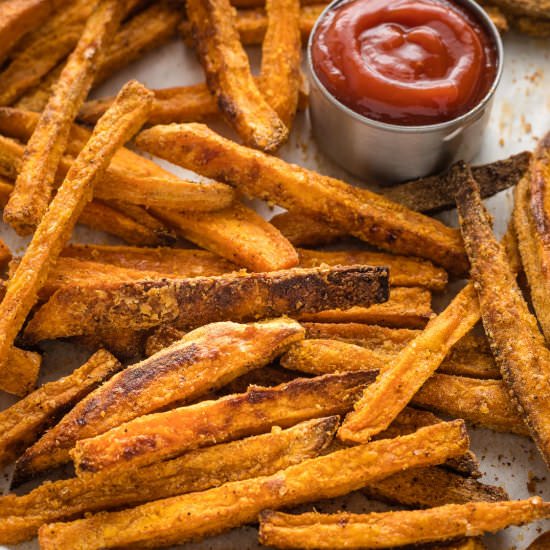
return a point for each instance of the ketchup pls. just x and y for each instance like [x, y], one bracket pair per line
[405, 62]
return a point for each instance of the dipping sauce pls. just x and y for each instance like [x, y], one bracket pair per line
[405, 62]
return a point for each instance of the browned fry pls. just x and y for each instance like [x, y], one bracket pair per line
[35, 182]
[541, 543]
[22, 423]
[498, 17]
[233, 504]
[204, 359]
[193, 302]
[161, 338]
[228, 75]
[237, 233]
[20, 373]
[5, 255]
[406, 308]
[529, 8]
[361, 213]
[388, 529]
[403, 377]
[539, 28]
[53, 232]
[37, 97]
[517, 344]
[301, 230]
[21, 516]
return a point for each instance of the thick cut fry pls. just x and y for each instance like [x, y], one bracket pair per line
[516, 341]
[193, 302]
[301, 230]
[22, 423]
[541, 543]
[20, 373]
[204, 359]
[362, 213]
[236, 233]
[388, 529]
[35, 183]
[228, 75]
[405, 308]
[404, 376]
[118, 125]
[233, 504]
[21, 516]
[539, 28]
[530, 8]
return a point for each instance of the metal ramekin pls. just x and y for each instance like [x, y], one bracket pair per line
[388, 153]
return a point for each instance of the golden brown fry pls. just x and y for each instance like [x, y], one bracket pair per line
[37, 98]
[530, 8]
[404, 376]
[35, 182]
[541, 543]
[406, 308]
[21, 516]
[118, 124]
[20, 373]
[498, 17]
[236, 233]
[22, 423]
[517, 344]
[193, 302]
[5, 255]
[539, 28]
[233, 504]
[301, 230]
[388, 529]
[228, 75]
[204, 359]
[361, 213]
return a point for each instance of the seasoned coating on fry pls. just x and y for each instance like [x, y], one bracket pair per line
[236, 233]
[498, 17]
[388, 529]
[161, 338]
[193, 302]
[518, 346]
[301, 230]
[539, 28]
[21, 516]
[20, 372]
[22, 423]
[34, 185]
[204, 359]
[233, 504]
[362, 213]
[228, 75]
[530, 8]
[5, 255]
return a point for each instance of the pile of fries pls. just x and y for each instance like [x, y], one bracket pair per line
[238, 369]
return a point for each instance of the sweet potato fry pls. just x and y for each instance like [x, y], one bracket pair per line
[193, 302]
[21, 516]
[233, 504]
[228, 75]
[361, 213]
[236, 233]
[541, 543]
[35, 182]
[538, 28]
[20, 373]
[118, 124]
[22, 423]
[406, 308]
[404, 376]
[388, 529]
[516, 341]
[204, 359]
[5, 255]
[529, 8]
[301, 230]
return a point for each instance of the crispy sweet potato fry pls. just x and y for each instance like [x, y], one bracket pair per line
[21, 516]
[362, 213]
[236, 233]
[388, 529]
[118, 124]
[301, 230]
[539, 28]
[516, 341]
[189, 303]
[530, 8]
[541, 543]
[5, 255]
[22, 423]
[233, 504]
[20, 373]
[228, 75]
[404, 376]
[35, 182]
[204, 359]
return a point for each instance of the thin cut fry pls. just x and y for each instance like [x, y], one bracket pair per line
[20, 373]
[118, 124]
[228, 75]
[397, 384]
[362, 213]
[388, 529]
[516, 341]
[193, 302]
[217, 510]
[21, 516]
[35, 183]
[236, 233]
[205, 359]
[22, 423]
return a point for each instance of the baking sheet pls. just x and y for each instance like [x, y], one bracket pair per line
[520, 116]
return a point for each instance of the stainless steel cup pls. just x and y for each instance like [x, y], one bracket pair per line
[387, 153]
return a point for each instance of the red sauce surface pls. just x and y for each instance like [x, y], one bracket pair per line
[406, 62]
